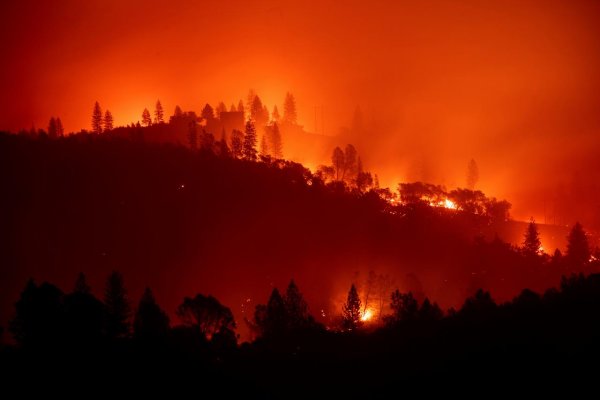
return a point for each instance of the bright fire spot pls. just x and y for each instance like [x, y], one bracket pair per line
[449, 204]
[367, 315]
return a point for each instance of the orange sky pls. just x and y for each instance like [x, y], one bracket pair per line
[513, 84]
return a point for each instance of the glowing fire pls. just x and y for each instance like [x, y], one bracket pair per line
[367, 315]
[450, 204]
[446, 203]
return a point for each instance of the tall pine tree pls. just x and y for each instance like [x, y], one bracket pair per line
[118, 310]
[289, 109]
[249, 146]
[531, 242]
[97, 119]
[159, 114]
[351, 310]
[146, 119]
[578, 247]
[108, 121]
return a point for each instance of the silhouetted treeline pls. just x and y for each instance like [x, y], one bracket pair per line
[525, 341]
[96, 203]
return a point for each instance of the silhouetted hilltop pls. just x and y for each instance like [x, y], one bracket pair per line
[183, 221]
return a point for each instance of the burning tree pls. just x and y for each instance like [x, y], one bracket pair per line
[351, 311]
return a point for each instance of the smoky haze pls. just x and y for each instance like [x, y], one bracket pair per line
[511, 84]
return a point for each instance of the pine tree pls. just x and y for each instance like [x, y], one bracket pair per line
[240, 107]
[146, 120]
[276, 145]
[159, 113]
[404, 306]
[178, 113]
[52, 133]
[232, 108]
[277, 319]
[118, 310]
[578, 247]
[60, 130]
[351, 310]
[108, 121]
[207, 112]
[257, 112]
[249, 147]
[221, 108]
[350, 156]
[297, 309]
[338, 161]
[150, 321]
[289, 109]
[531, 242]
[275, 114]
[81, 285]
[97, 119]
[237, 143]
[264, 147]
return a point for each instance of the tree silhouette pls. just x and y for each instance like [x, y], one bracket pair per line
[479, 304]
[272, 319]
[52, 131]
[531, 242]
[146, 120]
[578, 248]
[84, 314]
[249, 145]
[264, 147]
[108, 121]
[276, 144]
[232, 108]
[257, 112]
[351, 310]
[240, 107]
[221, 108]
[429, 311]
[404, 306]
[159, 114]
[39, 316]
[249, 100]
[206, 314]
[97, 119]
[296, 307]
[60, 130]
[350, 156]
[118, 310]
[208, 113]
[275, 114]
[178, 113]
[150, 322]
[290, 115]
[237, 143]
[338, 161]
[364, 180]
[81, 285]
[472, 174]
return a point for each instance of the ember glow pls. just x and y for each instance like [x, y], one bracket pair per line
[367, 315]
[449, 204]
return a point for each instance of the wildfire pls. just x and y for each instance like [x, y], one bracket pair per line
[449, 204]
[367, 315]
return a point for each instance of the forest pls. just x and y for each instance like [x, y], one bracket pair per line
[385, 285]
